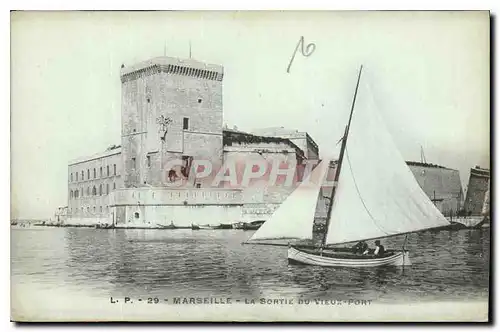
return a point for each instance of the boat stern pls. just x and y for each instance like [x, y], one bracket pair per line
[404, 259]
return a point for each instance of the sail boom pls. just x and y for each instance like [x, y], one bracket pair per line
[385, 236]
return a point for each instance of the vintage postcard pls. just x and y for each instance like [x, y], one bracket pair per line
[250, 166]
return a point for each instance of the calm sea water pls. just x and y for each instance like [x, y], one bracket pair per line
[447, 265]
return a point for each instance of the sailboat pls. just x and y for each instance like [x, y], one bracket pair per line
[375, 195]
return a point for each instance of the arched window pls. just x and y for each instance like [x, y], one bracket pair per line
[100, 190]
[100, 172]
[71, 194]
[94, 174]
[82, 176]
[71, 176]
[107, 188]
[100, 209]
[107, 170]
[88, 174]
[114, 186]
[94, 191]
[114, 169]
[76, 174]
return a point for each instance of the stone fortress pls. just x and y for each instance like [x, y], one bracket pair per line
[172, 126]
[172, 111]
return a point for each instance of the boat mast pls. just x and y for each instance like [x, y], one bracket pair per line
[339, 163]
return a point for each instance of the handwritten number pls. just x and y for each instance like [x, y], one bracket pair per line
[310, 48]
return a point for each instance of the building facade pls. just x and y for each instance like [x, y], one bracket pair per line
[90, 182]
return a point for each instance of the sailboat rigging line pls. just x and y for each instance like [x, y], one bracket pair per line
[341, 158]
[361, 198]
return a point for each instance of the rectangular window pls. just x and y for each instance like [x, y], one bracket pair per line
[185, 124]
[114, 169]
[148, 158]
[133, 162]
[100, 172]
[71, 176]
[107, 170]
[198, 185]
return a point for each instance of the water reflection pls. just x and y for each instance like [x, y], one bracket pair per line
[446, 265]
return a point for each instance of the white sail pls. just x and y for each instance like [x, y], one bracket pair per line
[377, 194]
[294, 217]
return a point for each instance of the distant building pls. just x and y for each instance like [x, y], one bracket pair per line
[477, 191]
[441, 184]
[301, 139]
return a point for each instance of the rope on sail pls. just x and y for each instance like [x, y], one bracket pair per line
[376, 223]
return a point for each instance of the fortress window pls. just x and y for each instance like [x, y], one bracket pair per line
[199, 100]
[107, 170]
[148, 158]
[107, 188]
[100, 172]
[82, 176]
[133, 162]
[114, 186]
[94, 173]
[88, 174]
[76, 174]
[185, 124]
[114, 169]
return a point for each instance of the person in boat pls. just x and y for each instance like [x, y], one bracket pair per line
[360, 247]
[378, 251]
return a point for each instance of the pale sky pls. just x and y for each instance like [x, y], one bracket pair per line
[429, 72]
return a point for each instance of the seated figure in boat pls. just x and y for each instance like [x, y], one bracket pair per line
[378, 251]
[360, 247]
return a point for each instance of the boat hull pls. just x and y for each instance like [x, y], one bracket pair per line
[295, 255]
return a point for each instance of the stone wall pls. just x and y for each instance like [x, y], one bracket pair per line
[442, 185]
[476, 191]
[153, 207]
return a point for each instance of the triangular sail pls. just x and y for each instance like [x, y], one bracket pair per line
[377, 194]
[295, 216]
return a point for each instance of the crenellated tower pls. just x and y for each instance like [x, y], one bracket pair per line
[171, 110]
